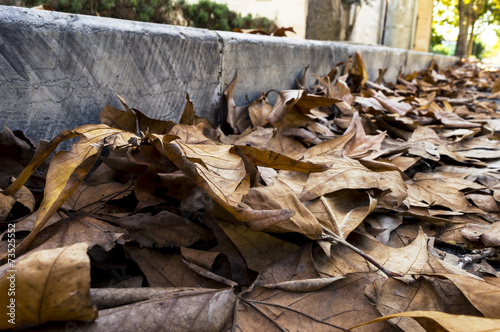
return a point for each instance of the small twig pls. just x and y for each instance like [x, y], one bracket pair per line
[336, 239]
[333, 238]
[332, 217]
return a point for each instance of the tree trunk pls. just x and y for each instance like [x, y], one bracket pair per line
[470, 40]
[463, 27]
[323, 20]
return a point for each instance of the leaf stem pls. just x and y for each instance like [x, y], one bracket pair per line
[334, 238]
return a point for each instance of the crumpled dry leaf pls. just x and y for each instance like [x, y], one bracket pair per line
[67, 169]
[487, 234]
[442, 190]
[350, 174]
[281, 196]
[50, 285]
[349, 208]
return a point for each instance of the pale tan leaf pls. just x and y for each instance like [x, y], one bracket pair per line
[50, 285]
[281, 196]
[350, 174]
[266, 158]
[438, 321]
[349, 208]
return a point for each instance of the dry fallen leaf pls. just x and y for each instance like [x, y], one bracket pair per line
[50, 285]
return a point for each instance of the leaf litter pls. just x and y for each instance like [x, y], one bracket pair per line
[346, 203]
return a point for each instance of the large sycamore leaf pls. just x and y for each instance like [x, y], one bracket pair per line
[281, 196]
[439, 321]
[349, 209]
[350, 174]
[266, 158]
[406, 261]
[334, 307]
[442, 189]
[227, 192]
[50, 285]
[172, 309]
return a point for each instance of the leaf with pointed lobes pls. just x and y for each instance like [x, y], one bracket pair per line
[439, 321]
[280, 196]
[188, 117]
[42, 153]
[349, 208]
[299, 100]
[281, 32]
[333, 307]
[226, 182]
[78, 228]
[259, 110]
[361, 144]
[442, 189]
[351, 174]
[50, 285]
[392, 105]
[267, 158]
[116, 118]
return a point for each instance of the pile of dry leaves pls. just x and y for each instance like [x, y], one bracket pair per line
[342, 203]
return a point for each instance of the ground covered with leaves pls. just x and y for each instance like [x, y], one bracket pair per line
[348, 202]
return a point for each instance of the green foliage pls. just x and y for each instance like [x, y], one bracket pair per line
[141, 10]
[211, 15]
[440, 49]
[204, 14]
[478, 49]
[436, 39]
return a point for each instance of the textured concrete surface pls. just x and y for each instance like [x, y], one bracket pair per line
[59, 70]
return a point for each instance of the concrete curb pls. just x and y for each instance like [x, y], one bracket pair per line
[59, 70]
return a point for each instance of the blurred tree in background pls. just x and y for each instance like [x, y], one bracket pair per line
[205, 14]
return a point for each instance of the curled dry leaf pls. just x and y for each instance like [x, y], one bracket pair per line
[439, 321]
[179, 309]
[350, 174]
[348, 208]
[50, 285]
[281, 196]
